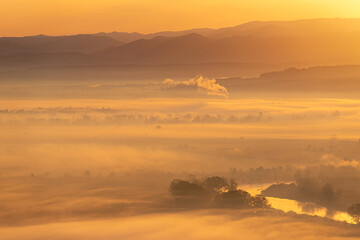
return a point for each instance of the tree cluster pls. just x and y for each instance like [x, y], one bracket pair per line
[354, 212]
[214, 192]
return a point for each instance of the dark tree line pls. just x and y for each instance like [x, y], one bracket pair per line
[214, 192]
[307, 190]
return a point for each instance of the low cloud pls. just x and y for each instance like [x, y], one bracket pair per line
[330, 159]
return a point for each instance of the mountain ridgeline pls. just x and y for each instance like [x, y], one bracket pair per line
[318, 41]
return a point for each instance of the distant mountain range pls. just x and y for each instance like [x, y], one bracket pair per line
[51, 44]
[317, 41]
[314, 79]
[257, 28]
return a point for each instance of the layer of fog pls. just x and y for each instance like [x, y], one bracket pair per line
[43, 198]
[182, 134]
[191, 225]
[65, 160]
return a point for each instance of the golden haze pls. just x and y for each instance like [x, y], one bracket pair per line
[57, 17]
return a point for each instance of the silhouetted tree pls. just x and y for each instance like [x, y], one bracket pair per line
[214, 192]
[328, 195]
[234, 199]
[354, 212]
[180, 187]
[188, 194]
[259, 202]
[241, 199]
[216, 183]
[219, 184]
[232, 185]
[306, 190]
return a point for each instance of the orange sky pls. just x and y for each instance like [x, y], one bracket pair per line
[55, 17]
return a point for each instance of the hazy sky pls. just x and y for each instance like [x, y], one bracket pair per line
[31, 17]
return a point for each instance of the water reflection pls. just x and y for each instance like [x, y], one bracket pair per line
[307, 208]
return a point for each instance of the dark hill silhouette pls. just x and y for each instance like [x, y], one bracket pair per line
[123, 36]
[290, 28]
[74, 43]
[257, 28]
[194, 48]
[327, 72]
[290, 49]
[21, 60]
[301, 43]
[79, 43]
[9, 47]
[129, 37]
[313, 79]
[29, 41]
[161, 50]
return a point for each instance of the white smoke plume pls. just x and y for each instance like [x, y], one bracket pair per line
[204, 85]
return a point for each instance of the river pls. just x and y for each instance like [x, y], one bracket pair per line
[288, 205]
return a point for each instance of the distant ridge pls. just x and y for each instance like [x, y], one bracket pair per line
[290, 28]
[129, 37]
[345, 78]
[161, 50]
[10, 47]
[343, 71]
[306, 42]
[72, 43]
[252, 28]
